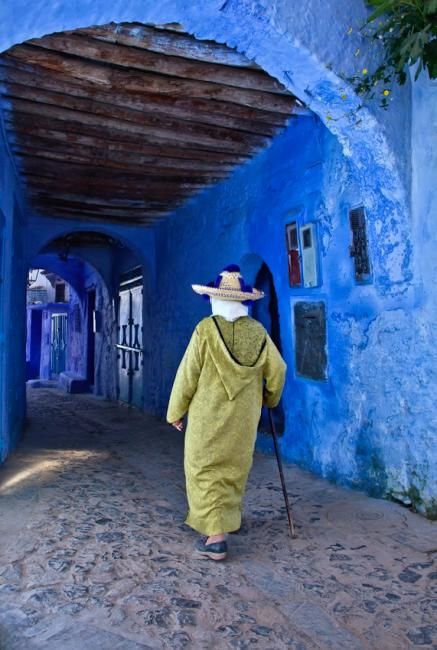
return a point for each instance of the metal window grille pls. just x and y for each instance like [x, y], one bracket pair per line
[359, 248]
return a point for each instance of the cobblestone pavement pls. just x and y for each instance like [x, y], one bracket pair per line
[94, 554]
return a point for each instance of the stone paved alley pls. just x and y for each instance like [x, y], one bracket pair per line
[95, 554]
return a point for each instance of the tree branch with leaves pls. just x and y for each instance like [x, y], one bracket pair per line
[407, 29]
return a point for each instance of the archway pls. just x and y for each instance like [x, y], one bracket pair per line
[266, 311]
[287, 51]
[100, 269]
[274, 37]
[53, 309]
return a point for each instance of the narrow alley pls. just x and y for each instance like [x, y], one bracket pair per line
[96, 555]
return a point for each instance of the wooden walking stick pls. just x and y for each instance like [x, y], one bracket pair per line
[281, 474]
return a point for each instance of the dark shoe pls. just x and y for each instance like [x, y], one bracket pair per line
[216, 551]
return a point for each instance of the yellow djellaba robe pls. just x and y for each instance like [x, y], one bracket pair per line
[227, 371]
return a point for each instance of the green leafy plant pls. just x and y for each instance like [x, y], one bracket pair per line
[408, 31]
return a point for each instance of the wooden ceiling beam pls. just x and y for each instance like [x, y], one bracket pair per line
[105, 162]
[98, 205]
[109, 191]
[106, 125]
[154, 106]
[31, 144]
[82, 215]
[89, 209]
[133, 58]
[150, 108]
[74, 134]
[183, 107]
[166, 202]
[169, 43]
[103, 210]
[160, 124]
[75, 199]
[90, 172]
[123, 216]
[100, 188]
[150, 134]
[112, 77]
[116, 214]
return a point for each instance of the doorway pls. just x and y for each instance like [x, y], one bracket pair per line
[58, 344]
[33, 356]
[130, 338]
[91, 337]
[266, 312]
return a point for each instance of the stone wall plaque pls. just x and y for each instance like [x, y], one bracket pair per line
[310, 339]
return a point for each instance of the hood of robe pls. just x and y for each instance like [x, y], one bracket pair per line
[233, 375]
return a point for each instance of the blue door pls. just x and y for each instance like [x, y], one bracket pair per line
[58, 342]
[130, 343]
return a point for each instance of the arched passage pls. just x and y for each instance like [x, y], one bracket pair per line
[101, 270]
[53, 309]
[67, 322]
[266, 311]
[284, 45]
[370, 175]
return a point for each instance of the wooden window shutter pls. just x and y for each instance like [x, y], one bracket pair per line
[292, 238]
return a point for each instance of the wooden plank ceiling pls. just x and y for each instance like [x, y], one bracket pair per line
[124, 122]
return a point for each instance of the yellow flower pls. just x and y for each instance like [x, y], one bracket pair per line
[350, 30]
[386, 92]
[364, 71]
[343, 97]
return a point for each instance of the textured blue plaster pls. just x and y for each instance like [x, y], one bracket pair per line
[13, 272]
[371, 424]
[357, 427]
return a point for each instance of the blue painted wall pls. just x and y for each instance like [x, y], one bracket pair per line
[361, 427]
[13, 271]
[372, 423]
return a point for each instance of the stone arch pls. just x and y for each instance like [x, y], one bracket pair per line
[41, 261]
[58, 230]
[110, 299]
[295, 52]
[257, 272]
[37, 332]
[104, 377]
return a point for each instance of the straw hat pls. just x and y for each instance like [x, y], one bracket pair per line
[229, 285]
